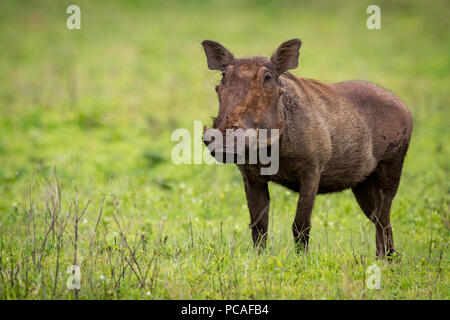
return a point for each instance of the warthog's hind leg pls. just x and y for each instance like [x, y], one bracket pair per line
[374, 196]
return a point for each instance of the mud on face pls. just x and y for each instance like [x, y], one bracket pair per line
[249, 94]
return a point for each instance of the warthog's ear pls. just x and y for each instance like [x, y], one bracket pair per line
[286, 56]
[218, 57]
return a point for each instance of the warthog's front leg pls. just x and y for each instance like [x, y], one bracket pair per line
[309, 184]
[258, 204]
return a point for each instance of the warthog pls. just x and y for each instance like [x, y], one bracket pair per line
[351, 134]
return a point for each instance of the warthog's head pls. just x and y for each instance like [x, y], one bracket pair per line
[249, 95]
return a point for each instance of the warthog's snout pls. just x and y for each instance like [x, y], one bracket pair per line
[230, 145]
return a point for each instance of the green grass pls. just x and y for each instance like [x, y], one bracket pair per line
[99, 105]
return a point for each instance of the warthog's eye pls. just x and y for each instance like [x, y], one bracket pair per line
[223, 78]
[267, 77]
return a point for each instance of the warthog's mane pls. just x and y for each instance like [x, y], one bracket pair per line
[312, 88]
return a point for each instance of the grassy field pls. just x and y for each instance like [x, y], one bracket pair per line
[86, 177]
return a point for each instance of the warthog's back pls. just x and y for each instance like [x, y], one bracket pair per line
[346, 127]
[382, 133]
[387, 117]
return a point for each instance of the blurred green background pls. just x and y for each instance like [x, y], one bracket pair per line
[99, 105]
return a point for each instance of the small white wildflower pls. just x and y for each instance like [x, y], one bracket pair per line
[149, 293]
[85, 220]
[102, 278]
[182, 185]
